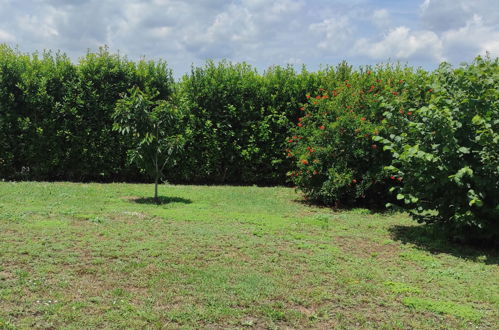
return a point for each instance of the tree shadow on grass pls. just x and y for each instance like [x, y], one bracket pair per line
[162, 200]
[430, 238]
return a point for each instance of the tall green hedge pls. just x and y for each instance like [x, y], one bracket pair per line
[55, 116]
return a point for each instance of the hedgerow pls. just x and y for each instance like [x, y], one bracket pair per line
[343, 136]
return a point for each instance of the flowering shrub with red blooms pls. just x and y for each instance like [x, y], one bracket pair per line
[336, 160]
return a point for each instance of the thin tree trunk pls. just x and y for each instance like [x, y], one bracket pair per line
[156, 178]
[156, 199]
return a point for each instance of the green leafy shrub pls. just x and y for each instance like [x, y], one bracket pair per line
[238, 122]
[55, 116]
[337, 161]
[448, 152]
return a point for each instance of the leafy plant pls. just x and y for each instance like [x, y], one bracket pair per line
[155, 130]
[448, 152]
[336, 160]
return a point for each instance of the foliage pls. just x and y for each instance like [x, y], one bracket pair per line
[448, 151]
[55, 116]
[239, 120]
[336, 159]
[155, 130]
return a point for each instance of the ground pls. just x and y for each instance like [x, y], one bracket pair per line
[105, 256]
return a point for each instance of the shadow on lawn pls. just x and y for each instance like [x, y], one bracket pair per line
[161, 200]
[429, 238]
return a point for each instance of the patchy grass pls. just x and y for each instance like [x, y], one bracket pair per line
[104, 256]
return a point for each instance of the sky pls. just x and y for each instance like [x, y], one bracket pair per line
[259, 32]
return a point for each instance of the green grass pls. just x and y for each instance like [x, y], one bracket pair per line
[103, 256]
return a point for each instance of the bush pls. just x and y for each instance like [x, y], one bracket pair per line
[337, 161]
[239, 121]
[55, 118]
[448, 152]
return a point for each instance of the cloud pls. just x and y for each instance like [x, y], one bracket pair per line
[6, 37]
[445, 15]
[260, 32]
[401, 44]
[475, 37]
[381, 18]
[334, 33]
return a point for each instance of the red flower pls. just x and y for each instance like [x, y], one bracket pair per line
[395, 93]
[318, 97]
[401, 111]
[400, 179]
[430, 90]
[363, 118]
[302, 108]
[392, 177]
[300, 119]
[321, 89]
[354, 181]
[300, 124]
[290, 140]
[322, 127]
[409, 113]
[308, 96]
[290, 154]
[325, 96]
[295, 137]
[304, 162]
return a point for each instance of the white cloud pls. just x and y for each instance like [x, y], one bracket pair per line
[381, 18]
[6, 36]
[261, 32]
[333, 33]
[402, 43]
[475, 37]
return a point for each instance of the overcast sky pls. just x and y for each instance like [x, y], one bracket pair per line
[260, 32]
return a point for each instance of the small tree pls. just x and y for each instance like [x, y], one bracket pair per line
[155, 129]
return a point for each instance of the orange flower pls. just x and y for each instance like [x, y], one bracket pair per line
[363, 118]
[304, 162]
[302, 108]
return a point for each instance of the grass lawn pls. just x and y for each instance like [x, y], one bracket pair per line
[103, 256]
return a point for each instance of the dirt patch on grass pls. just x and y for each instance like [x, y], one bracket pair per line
[365, 248]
